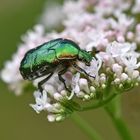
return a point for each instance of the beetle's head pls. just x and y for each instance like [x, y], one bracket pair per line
[85, 57]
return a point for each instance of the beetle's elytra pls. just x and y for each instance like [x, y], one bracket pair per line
[45, 59]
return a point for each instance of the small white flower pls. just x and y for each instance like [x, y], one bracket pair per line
[71, 8]
[135, 74]
[120, 39]
[92, 89]
[124, 77]
[50, 89]
[131, 61]
[95, 66]
[102, 78]
[130, 36]
[117, 69]
[51, 117]
[83, 83]
[117, 49]
[80, 94]
[52, 16]
[97, 39]
[117, 81]
[124, 22]
[31, 36]
[55, 108]
[107, 59]
[41, 100]
[75, 83]
[58, 96]
[55, 117]
[107, 7]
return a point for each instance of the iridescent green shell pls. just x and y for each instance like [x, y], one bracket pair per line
[46, 57]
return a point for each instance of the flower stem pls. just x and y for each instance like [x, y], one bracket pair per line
[91, 133]
[113, 110]
[98, 104]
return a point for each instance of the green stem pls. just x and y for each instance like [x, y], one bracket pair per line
[114, 111]
[91, 133]
[98, 104]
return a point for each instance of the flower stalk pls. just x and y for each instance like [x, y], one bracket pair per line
[84, 126]
[113, 109]
[98, 104]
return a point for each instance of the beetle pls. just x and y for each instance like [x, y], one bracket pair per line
[46, 58]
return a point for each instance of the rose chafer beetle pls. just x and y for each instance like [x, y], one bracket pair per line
[53, 55]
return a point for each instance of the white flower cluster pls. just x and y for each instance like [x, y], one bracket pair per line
[136, 6]
[102, 25]
[10, 74]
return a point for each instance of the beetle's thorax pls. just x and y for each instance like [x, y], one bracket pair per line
[85, 56]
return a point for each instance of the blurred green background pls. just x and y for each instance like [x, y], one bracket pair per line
[17, 120]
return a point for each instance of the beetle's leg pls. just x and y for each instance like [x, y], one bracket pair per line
[81, 70]
[43, 81]
[60, 73]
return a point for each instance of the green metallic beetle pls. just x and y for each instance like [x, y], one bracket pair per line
[47, 58]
